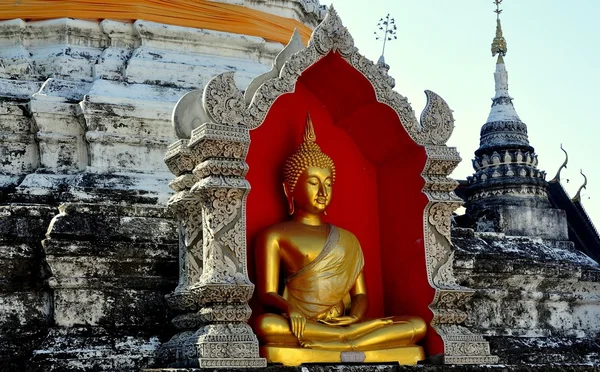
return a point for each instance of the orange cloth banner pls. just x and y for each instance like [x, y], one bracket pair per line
[188, 13]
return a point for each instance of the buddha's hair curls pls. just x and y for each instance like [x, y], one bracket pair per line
[308, 154]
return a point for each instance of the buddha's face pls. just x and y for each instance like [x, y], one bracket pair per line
[313, 190]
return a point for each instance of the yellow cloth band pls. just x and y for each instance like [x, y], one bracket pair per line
[188, 13]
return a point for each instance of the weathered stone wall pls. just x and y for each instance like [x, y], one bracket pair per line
[25, 301]
[85, 120]
[536, 300]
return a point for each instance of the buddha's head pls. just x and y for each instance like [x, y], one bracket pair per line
[308, 175]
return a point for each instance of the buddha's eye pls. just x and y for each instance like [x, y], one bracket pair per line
[313, 181]
[328, 183]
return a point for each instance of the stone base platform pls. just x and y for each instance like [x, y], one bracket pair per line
[409, 355]
[398, 368]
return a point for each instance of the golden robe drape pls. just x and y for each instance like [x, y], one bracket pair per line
[325, 282]
[188, 13]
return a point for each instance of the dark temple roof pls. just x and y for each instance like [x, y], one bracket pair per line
[582, 231]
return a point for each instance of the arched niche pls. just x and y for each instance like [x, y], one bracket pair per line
[392, 188]
[378, 190]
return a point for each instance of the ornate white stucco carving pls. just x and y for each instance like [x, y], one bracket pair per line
[230, 119]
[214, 288]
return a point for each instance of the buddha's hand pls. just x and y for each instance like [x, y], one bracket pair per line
[340, 320]
[297, 322]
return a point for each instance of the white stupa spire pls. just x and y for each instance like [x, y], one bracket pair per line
[502, 107]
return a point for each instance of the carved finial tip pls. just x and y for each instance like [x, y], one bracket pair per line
[309, 130]
[499, 43]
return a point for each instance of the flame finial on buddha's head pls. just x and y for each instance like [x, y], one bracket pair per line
[308, 154]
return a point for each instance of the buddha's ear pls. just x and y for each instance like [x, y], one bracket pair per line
[289, 197]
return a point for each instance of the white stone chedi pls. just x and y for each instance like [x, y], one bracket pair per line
[85, 119]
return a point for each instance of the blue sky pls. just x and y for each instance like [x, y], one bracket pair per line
[552, 64]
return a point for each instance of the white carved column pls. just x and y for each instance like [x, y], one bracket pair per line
[450, 302]
[186, 207]
[214, 289]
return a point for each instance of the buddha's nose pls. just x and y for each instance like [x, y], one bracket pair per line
[322, 190]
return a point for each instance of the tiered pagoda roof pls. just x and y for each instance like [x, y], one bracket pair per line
[505, 163]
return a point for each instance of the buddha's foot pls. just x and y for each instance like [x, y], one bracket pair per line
[356, 330]
[327, 345]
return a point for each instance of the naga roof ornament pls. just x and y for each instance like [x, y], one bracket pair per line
[563, 166]
[577, 197]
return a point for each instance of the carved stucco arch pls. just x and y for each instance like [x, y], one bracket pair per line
[216, 151]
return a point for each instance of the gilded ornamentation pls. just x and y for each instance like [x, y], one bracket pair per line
[312, 255]
[308, 154]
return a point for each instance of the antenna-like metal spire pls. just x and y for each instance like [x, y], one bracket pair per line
[499, 43]
[386, 30]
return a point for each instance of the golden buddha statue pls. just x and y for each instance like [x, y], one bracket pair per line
[324, 300]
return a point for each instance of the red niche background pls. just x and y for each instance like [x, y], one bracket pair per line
[377, 192]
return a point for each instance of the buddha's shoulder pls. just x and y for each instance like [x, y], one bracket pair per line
[346, 234]
[277, 230]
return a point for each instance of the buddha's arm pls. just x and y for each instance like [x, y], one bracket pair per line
[267, 265]
[268, 261]
[359, 300]
[359, 305]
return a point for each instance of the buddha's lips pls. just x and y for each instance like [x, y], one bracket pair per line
[321, 200]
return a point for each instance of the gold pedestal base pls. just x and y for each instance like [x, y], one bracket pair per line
[291, 356]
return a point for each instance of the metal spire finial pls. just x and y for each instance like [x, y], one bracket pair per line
[386, 30]
[499, 43]
[577, 197]
[498, 10]
[563, 166]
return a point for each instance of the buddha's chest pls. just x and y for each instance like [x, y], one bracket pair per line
[299, 251]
